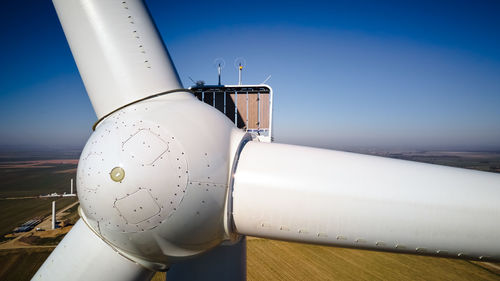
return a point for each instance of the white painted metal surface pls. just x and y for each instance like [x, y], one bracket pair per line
[118, 51]
[153, 178]
[82, 255]
[168, 203]
[53, 214]
[352, 200]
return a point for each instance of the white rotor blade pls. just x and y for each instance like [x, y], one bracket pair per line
[119, 53]
[82, 255]
[345, 199]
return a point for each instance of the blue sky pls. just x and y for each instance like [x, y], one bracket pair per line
[346, 74]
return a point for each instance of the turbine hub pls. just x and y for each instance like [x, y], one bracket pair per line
[152, 179]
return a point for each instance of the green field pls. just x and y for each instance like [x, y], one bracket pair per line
[15, 212]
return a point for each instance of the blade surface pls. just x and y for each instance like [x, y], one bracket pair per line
[82, 255]
[344, 199]
[118, 50]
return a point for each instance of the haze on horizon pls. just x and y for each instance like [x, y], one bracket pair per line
[346, 74]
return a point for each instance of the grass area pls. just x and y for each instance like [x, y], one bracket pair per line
[276, 260]
[16, 212]
[21, 264]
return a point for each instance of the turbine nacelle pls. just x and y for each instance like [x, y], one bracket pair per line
[158, 178]
[153, 179]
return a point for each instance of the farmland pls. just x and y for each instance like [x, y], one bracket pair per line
[24, 176]
[21, 257]
[33, 181]
[266, 259]
[21, 264]
[15, 212]
[277, 260]
[34, 172]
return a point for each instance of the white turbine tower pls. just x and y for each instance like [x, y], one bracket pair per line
[53, 214]
[165, 179]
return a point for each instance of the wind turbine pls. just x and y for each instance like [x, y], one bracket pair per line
[166, 181]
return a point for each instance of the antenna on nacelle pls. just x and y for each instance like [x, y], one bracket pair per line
[240, 63]
[199, 83]
[219, 63]
[268, 77]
